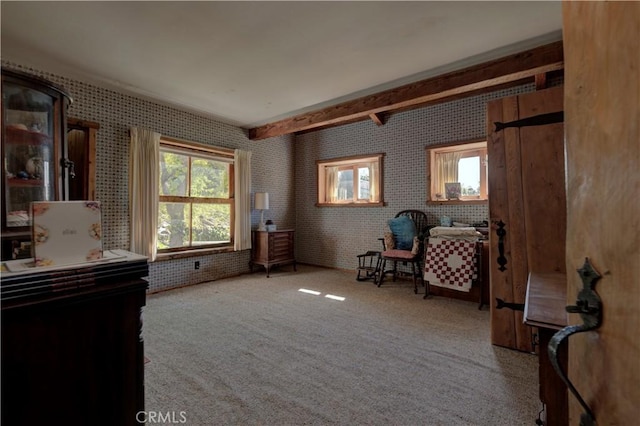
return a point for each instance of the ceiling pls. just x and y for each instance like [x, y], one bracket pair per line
[251, 63]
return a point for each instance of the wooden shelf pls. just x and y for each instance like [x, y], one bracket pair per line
[546, 300]
[26, 137]
[24, 182]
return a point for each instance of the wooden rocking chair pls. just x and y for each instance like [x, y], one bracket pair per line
[401, 251]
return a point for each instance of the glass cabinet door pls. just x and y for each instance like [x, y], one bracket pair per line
[33, 128]
[28, 151]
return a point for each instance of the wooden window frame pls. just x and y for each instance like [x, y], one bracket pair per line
[195, 150]
[472, 148]
[345, 163]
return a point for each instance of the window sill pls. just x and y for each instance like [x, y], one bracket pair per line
[380, 204]
[457, 202]
[192, 253]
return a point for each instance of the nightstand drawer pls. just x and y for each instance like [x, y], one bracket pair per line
[271, 248]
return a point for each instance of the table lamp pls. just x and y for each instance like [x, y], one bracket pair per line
[262, 203]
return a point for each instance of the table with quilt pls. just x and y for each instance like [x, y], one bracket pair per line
[450, 263]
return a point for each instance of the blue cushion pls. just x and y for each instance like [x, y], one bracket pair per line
[403, 230]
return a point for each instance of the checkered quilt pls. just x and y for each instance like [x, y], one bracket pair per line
[450, 263]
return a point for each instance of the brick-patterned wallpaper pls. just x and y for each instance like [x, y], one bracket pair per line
[272, 170]
[334, 236]
[286, 169]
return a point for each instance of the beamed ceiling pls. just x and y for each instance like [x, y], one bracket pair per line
[281, 67]
[529, 66]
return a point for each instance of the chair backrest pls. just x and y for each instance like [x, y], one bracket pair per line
[420, 219]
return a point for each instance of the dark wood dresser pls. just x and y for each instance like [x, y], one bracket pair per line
[72, 351]
[269, 248]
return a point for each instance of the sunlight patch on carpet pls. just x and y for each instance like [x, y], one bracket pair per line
[317, 293]
[331, 296]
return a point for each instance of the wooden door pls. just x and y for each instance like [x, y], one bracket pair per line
[81, 149]
[527, 202]
[602, 100]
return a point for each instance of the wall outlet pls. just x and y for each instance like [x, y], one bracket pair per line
[197, 264]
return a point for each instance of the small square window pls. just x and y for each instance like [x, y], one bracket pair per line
[352, 181]
[457, 172]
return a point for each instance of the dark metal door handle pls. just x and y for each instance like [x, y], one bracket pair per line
[501, 232]
[589, 306]
[69, 165]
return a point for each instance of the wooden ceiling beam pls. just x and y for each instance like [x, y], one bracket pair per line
[541, 81]
[376, 118]
[471, 80]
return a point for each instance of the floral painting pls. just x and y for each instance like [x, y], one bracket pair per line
[452, 190]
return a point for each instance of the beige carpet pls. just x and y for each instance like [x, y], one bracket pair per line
[253, 350]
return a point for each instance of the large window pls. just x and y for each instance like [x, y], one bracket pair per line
[350, 181]
[196, 197]
[457, 172]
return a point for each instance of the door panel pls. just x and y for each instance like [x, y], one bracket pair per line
[602, 75]
[503, 332]
[543, 183]
[516, 232]
[526, 191]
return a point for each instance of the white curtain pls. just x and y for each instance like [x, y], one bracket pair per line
[144, 183]
[446, 169]
[331, 186]
[374, 177]
[242, 186]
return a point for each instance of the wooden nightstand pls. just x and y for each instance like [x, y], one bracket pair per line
[272, 248]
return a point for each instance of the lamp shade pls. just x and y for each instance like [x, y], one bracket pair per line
[262, 201]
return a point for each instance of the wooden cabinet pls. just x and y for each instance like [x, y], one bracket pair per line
[34, 151]
[46, 155]
[545, 309]
[72, 350]
[272, 248]
[527, 203]
[33, 146]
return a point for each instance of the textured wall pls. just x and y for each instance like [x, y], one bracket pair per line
[325, 236]
[334, 236]
[272, 170]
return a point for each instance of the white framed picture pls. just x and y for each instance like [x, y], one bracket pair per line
[452, 190]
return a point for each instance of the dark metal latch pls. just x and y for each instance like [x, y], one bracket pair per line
[589, 306]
